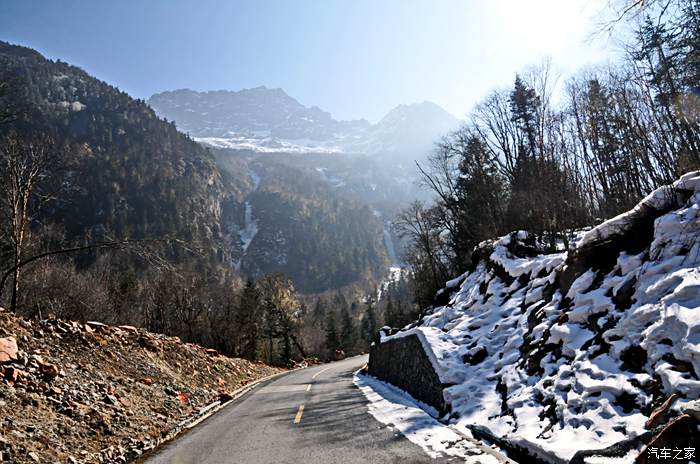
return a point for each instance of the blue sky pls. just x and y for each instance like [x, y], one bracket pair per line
[354, 58]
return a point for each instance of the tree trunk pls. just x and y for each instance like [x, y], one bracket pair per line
[15, 290]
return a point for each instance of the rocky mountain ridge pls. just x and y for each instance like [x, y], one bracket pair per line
[269, 120]
[257, 111]
[135, 174]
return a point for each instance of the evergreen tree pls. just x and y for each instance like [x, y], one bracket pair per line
[402, 317]
[524, 104]
[347, 331]
[247, 320]
[480, 197]
[369, 323]
[332, 339]
[280, 317]
[319, 311]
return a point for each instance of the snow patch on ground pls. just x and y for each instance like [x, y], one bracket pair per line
[396, 408]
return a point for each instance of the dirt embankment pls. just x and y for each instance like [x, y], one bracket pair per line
[72, 392]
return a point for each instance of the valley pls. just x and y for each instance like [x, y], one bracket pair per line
[371, 165]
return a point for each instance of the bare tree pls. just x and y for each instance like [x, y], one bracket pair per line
[429, 256]
[32, 178]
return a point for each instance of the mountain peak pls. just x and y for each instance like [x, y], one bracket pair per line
[420, 110]
[268, 117]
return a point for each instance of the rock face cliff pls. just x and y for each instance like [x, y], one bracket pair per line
[588, 351]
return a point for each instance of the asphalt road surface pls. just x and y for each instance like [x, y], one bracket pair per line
[310, 416]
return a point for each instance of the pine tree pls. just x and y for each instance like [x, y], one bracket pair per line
[402, 317]
[391, 317]
[524, 104]
[319, 311]
[347, 332]
[369, 323]
[332, 339]
[480, 194]
[248, 321]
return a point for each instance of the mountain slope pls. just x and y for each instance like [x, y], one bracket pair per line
[92, 393]
[407, 129]
[567, 354]
[292, 222]
[137, 175]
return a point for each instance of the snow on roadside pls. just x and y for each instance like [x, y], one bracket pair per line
[556, 368]
[394, 407]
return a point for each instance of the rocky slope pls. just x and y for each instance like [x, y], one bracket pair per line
[89, 393]
[580, 354]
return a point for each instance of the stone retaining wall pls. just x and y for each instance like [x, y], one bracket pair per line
[404, 363]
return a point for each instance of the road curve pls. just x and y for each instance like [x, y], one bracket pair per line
[310, 416]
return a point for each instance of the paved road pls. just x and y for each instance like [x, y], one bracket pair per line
[266, 426]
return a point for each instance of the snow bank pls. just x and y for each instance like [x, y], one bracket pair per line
[394, 407]
[662, 198]
[556, 370]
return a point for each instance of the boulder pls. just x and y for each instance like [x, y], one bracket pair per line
[8, 349]
[96, 325]
[151, 344]
[475, 355]
[53, 391]
[681, 432]
[128, 328]
[50, 371]
[692, 408]
[225, 396]
[110, 399]
[13, 375]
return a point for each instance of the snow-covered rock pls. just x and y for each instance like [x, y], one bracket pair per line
[579, 352]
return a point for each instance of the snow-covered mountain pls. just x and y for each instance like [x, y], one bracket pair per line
[269, 120]
[410, 128]
[257, 113]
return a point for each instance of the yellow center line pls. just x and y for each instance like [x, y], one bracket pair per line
[300, 412]
[319, 373]
[308, 387]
